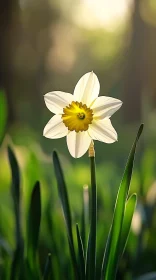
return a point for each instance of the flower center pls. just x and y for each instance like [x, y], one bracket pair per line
[77, 116]
[81, 116]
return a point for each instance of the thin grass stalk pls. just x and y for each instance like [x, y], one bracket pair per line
[85, 216]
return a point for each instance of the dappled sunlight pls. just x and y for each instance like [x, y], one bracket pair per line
[109, 15]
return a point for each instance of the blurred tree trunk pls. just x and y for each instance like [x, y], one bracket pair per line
[9, 25]
[134, 74]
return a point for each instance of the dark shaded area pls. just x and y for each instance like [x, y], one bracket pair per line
[9, 39]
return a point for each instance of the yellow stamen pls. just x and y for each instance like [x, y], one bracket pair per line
[81, 116]
[77, 116]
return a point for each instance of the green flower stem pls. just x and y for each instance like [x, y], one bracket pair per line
[93, 213]
[91, 252]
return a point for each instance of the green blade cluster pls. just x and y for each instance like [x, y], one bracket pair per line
[85, 269]
[29, 264]
[121, 220]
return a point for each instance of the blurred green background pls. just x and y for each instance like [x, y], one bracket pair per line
[48, 45]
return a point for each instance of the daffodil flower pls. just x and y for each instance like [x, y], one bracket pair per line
[81, 116]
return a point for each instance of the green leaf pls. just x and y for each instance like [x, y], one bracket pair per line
[15, 190]
[128, 215]
[33, 228]
[81, 254]
[148, 276]
[47, 270]
[112, 251]
[62, 190]
[3, 115]
[17, 263]
[91, 250]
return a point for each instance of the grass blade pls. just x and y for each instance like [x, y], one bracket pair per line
[91, 250]
[81, 254]
[62, 190]
[33, 228]
[15, 190]
[47, 271]
[85, 216]
[112, 251]
[128, 215]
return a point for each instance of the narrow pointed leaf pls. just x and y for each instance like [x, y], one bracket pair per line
[128, 215]
[62, 190]
[17, 263]
[81, 254]
[112, 251]
[15, 190]
[47, 271]
[33, 228]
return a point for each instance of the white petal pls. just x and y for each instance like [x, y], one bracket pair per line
[87, 89]
[78, 143]
[57, 100]
[105, 106]
[103, 131]
[55, 128]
